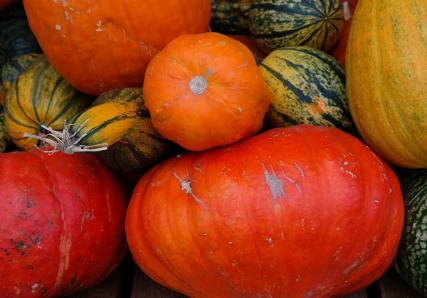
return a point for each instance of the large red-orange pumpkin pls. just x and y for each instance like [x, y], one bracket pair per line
[205, 90]
[101, 45]
[340, 48]
[294, 212]
[61, 223]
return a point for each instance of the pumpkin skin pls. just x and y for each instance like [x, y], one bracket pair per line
[125, 35]
[119, 119]
[411, 260]
[303, 211]
[230, 16]
[387, 79]
[58, 213]
[214, 96]
[251, 44]
[307, 87]
[340, 48]
[40, 96]
[283, 23]
[16, 37]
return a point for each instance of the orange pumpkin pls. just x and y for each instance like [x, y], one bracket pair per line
[106, 44]
[204, 91]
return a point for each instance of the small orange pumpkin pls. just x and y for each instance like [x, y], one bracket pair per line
[204, 91]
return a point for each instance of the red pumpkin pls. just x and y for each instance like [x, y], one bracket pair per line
[62, 223]
[205, 90]
[296, 212]
[106, 44]
[340, 49]
[4, 4]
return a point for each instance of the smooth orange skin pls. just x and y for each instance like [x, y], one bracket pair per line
[333, 226]
[231, 108]
[101, 45]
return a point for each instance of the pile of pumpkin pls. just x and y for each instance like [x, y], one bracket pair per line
[253, 180]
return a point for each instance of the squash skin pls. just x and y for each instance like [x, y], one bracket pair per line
[4, 137]
[222, 219]
[307, 87]
[230, 16]
[124, 34]
[16, 37]
[120, 119]
[232, 102]
[58, 213]
[40, 96]
[411, 260]
[284, 23]
[387, 78]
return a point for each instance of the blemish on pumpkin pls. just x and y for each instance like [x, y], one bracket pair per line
[234, 263]
[34, 287]
[298, 278]
[274, 183]
[269, 241]
[351, 174]
[17, 290]
[300, 171]
[292, 181]
[187, 189]
[204, 234]
[58, 27]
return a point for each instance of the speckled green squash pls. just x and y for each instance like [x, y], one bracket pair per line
[281, 23]
[230, 16]
[119, 119]
[4, 137]
[16, 37]
[307, 86]
[12, 69]
[411, 261]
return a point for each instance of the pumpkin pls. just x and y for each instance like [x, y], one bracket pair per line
[204, 91]
[58, 213]
[16, 37]
[4, 3]
[229, 16]
[307, 86]
[4, 137]
[108, 45]
[411, 260]
[303, 211]
[340, 48]
[40, 96]
[282, 23]
[118, 120]
[387, 79]
[251, 44]
[12, 69]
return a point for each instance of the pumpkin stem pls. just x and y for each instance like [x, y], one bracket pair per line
[64, 141]
[199, 84]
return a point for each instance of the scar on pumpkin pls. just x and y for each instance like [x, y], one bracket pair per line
[186, 188]
[274, 183]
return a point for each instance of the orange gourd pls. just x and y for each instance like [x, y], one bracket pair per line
[106, 44]
[204, 91]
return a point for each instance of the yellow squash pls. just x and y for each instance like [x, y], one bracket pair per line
[387, 78]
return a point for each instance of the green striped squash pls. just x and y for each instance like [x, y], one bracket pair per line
[4, 137]
[119, 120]
[40, 96]
[282, 23]
[230, 17]
[16, 37]
[411, 260]
[307, 86]
[12, 69]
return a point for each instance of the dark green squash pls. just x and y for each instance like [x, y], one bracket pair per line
[411, 261]
[4, 137]
[230, 16]
[12, 69]
[307, 86]
[16, 37]
[282, 23]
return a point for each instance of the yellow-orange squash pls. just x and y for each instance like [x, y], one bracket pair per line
[387, 78]
[106, 44]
